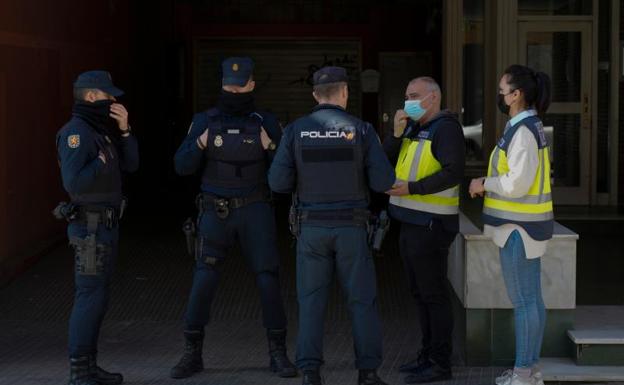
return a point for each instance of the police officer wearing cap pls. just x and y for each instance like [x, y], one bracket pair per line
[232, 144]
[330, 159]
[94, 148]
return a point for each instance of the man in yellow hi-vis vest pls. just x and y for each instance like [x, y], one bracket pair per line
[428, 148]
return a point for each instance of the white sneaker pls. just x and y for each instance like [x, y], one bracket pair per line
[539, 379]
[503, 378]
[510, 378]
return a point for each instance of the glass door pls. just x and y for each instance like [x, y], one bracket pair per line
[563, 51]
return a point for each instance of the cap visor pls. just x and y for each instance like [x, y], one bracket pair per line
[113, 91]
[235, 82]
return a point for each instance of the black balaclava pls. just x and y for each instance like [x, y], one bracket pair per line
[236, 104]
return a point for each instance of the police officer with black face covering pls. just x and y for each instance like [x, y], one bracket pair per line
[330, 159]
[94, 147]
[233, 144]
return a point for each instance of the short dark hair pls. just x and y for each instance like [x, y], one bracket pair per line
[327, 90]
[81, 93]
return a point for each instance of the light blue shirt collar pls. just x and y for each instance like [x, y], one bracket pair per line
[523, 115]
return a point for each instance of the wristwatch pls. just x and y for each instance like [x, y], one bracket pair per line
[126, 133]
[272, 146]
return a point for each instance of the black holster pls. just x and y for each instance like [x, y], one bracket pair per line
[87, 248]
[378, 229]
[190, 233]
[89, 252]
[294, 220]
[65, 210]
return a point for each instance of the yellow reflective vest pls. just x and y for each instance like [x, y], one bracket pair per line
[416, 161]
[534, 211]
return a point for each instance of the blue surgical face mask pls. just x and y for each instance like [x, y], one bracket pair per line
[413, 108]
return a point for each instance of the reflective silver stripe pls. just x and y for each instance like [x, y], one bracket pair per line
[528, 199]
[494, 163]
[395, 200]
[416, 162]
[541, 187]
[426, 207]
[521, 217]
[452, 192]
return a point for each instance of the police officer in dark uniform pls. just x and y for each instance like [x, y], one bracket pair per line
[330, 159]
[94, 148]
[232, 144]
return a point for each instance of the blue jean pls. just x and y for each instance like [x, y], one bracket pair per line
[523, 282]
[343, 251]
[253, 227]
[91, 291]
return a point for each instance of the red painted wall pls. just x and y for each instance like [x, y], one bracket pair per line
[43, 46]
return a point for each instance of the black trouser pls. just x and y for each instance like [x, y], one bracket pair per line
[424, 250]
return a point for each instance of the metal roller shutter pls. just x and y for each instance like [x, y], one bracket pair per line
[283, 72]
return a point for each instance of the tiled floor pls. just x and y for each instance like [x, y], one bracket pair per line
[142, 334]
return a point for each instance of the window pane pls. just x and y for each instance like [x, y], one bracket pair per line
[473, 66]
[563, 134]
[554, 7]
[558, 54]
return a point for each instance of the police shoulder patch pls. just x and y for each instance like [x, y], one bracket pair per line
[73, 141]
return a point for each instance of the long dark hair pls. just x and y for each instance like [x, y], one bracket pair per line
[534, 85]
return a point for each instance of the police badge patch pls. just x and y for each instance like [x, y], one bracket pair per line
[73, 141]
[218, 142]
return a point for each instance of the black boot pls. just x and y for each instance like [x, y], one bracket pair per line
[79, 371]
[369, 377]
[100, 375]
[280, 363]
[421, 363]
[312, 377]
[191, 361]
[430, 373]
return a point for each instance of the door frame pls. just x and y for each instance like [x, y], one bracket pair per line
[380, 58]
[583, 194]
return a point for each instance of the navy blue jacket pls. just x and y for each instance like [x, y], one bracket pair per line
[85, 177]
[283, 172]
[190, 158]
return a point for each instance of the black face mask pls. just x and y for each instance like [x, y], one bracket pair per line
[232, 103]
[97, 115]
[502, 106]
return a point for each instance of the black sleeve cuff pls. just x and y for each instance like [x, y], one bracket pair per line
[415, 188]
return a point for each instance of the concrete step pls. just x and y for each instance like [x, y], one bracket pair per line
[565, 369]
[598, 347]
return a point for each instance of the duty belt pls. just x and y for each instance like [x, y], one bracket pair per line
[222, 205]
[108, 216]
[358, 217]
[95, 214]
[88, 251]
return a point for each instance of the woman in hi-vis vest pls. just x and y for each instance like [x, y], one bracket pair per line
[517, 211]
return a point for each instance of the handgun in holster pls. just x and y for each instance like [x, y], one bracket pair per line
[190, 233]
[87, 246]
[65, 210]
[380, 227]
[294, 219]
